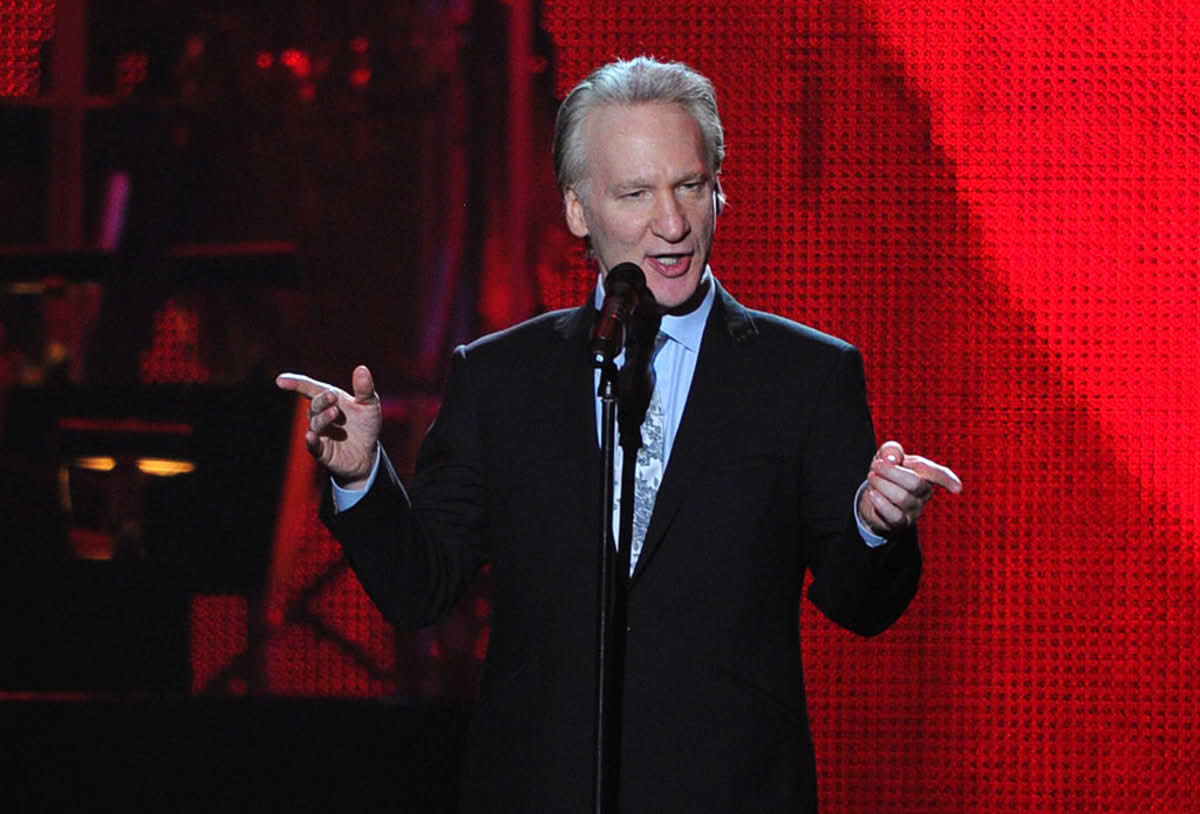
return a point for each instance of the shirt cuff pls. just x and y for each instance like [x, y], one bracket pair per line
[869, 537]
[344, 499]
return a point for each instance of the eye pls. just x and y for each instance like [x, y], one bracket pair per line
[634, 195]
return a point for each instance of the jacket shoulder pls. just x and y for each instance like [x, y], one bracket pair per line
[784, 329]
[526, 352]
[532, 332]
[775, 331]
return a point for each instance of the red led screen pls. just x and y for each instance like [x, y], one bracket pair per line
[998, 203]
[25, 25]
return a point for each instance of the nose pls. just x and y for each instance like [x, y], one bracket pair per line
[670, 221]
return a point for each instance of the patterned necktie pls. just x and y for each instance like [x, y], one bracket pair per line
[651, 462]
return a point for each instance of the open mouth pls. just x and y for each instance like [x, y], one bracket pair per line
[671, 265]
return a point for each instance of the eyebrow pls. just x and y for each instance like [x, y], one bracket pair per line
[644, 183]
[627, 186]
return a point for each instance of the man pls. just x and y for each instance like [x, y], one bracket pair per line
[770, 469]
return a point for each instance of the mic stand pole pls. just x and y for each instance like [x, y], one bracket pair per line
[611, 602]
[604, 784]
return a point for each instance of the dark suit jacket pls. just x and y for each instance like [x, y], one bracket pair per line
[774, 441]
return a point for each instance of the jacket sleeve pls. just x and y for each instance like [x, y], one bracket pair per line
[861, 588]
[415, 551]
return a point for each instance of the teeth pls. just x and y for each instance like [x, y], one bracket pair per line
[668, 261]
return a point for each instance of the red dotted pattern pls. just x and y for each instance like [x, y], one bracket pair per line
[326, 637]
[24, 26]
[174, 355]
[219, 636]
[998, 204]
[329, 639]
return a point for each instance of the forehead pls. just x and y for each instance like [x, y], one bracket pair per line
[631, 140]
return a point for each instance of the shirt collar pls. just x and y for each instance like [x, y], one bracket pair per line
[687, 329]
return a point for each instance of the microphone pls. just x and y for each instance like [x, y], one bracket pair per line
[624, 289]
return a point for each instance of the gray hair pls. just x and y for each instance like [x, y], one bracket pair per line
[630, 82]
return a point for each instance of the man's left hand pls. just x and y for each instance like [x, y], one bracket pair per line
[899, 486]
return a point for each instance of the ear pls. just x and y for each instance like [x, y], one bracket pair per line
[573, 207]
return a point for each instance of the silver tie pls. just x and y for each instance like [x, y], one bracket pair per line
[650, 464]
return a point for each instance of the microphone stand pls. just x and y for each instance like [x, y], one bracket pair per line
[635, 386]
[606, 747]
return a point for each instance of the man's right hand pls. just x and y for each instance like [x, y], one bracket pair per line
[343, 429]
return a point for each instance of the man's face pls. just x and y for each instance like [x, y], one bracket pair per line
[647, 196]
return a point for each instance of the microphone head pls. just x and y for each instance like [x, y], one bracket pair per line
[623, 276]
[624, 289]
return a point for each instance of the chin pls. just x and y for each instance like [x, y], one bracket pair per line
[675, 293]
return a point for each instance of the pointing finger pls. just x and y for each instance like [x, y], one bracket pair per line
[934, 472]
[304, 385]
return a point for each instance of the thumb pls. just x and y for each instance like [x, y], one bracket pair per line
[891, 452]
[363, 384]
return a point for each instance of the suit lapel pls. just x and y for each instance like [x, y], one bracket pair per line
[574, 327]
[711, 406]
